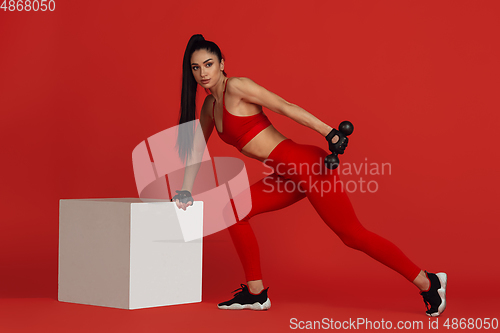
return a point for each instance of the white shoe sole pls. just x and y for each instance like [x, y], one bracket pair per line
[443, 279]
[255, 306]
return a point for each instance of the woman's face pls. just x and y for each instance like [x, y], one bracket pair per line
[206, 68]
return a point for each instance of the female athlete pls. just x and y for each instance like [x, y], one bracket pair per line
[234, 109]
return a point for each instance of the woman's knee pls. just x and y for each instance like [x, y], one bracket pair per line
[350, 241]
[354, 239]
[243, 222]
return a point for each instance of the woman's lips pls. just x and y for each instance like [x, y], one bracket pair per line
[205, 81]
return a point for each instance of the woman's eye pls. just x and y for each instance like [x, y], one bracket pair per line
[195, 67]
[209, 64]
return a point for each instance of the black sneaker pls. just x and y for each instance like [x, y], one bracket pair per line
[246, 300]
[435, 297]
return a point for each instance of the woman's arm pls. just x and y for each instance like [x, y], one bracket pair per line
[251, 92]
[201, 136]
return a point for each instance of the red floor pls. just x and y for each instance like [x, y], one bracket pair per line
[352, 298]
[311, 276]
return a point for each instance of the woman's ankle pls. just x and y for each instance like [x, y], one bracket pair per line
[422, 281]
[255, 286]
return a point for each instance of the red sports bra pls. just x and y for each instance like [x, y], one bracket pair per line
[239, 130]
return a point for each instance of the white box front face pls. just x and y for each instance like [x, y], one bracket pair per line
[94, 240]
[164, 269]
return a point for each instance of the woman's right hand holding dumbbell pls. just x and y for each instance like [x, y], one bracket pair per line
[338, 146]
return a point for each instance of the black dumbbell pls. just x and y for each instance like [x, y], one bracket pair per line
[345, 129]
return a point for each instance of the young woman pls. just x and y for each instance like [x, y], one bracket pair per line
[234, 109]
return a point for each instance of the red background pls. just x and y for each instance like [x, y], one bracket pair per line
[82, 86]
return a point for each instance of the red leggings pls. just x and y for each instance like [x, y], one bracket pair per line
[333, 206]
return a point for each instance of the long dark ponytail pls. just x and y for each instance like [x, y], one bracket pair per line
[188, 94]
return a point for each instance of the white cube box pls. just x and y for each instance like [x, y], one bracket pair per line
[129, 253]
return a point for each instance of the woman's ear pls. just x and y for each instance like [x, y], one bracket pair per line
[222, 65]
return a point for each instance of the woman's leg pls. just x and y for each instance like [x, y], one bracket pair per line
[324, 191]
[264, 199]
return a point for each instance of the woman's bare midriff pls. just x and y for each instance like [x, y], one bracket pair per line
[263, 143]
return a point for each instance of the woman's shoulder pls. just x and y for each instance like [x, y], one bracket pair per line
[238, 80]
[239, 83]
